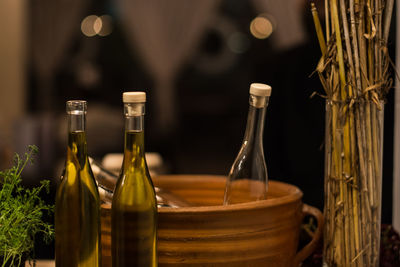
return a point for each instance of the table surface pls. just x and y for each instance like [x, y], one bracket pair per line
[42, 263]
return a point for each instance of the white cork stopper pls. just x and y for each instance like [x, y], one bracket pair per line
[134, 97]
[260, 89]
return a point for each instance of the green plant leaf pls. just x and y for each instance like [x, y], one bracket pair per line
[21, 211]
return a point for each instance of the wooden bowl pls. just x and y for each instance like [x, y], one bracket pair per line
[261, 233]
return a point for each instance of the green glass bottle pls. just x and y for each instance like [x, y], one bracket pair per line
[134, 205]
[77, 213]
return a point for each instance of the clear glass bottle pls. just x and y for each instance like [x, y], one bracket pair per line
[248, 178]
[134, 205]
[77, 212]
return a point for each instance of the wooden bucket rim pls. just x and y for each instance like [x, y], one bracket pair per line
[294, 195]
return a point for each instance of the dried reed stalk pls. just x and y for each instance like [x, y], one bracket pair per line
[354, 72]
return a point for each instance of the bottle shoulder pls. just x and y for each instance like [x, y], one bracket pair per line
[249, 153]
[134, 189]
[75, 178]
[249, 163]
[139, 179]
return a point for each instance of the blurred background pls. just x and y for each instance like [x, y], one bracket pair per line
[195, 60]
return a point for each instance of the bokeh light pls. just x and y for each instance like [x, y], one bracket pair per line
[106, 25]
[88, 25]
[238, 42]
[94, 25]
[261, 27]
[97, 25]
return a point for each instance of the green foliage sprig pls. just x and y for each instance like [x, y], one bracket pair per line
[21, 212]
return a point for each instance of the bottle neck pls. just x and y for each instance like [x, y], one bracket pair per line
[134, 117]
[134, 153]
[76, 122]
[255, 120]
[134, 124]
[77, 147]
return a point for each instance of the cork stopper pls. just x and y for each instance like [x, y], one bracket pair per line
[260, 89]
[134, 97]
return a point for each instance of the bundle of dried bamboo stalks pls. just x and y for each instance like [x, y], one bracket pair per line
[354, 72]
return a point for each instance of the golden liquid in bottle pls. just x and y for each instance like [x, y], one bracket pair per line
[77, 214]
[134, 209]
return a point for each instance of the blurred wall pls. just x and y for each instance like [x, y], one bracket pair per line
[396, 156]
[12, 66]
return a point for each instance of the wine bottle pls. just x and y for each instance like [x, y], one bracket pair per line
[134, 205]
[77, 212]
[106, 181]
[248, 178]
